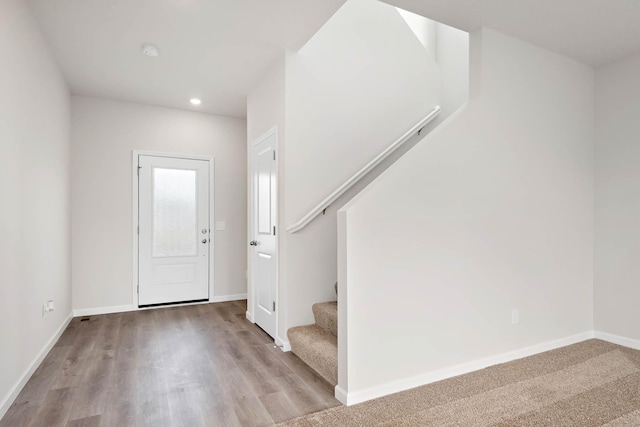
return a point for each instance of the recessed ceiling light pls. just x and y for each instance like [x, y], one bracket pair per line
[150, 50]
[195, 101]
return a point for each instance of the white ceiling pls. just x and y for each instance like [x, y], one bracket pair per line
[215, 50]
[218, 50]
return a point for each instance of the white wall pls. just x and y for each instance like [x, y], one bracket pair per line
[34, 194]
[449, 47]
[353, 89]
[424, 29]
[493, 211]
[266, 110]
[452, 55]
[104, 133]
[617, 203]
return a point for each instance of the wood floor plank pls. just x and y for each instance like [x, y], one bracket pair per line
[279, 406]
[70, 372]
[41, 381]
[151, 396]
[301, 395]
[86, 422]
[91, 400]
[69, 335]
[251, 412]
[20, 414]
[201, 365]
[120, 409]
[55, 408]
[184, 407]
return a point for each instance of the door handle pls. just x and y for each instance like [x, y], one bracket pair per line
[203, 240]
[253, 243]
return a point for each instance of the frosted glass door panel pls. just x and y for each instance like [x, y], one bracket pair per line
[264, 187]
[174, 213]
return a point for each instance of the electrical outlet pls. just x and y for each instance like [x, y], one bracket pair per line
[515, 316]
[47, 307]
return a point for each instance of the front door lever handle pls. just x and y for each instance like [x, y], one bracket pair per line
[253, 243]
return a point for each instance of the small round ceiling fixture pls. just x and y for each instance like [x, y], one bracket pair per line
[150, 50]
[195, 101]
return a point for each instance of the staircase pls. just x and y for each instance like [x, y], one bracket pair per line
[317, 344]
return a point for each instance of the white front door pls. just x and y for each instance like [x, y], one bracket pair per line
[264, 232]
[173, 237]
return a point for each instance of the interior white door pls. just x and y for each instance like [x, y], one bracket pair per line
[173, 236]
[264, 233]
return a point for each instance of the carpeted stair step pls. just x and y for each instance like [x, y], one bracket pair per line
[326, 315]
[317, 348]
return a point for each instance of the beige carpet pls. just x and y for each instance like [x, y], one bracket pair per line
[592, 383]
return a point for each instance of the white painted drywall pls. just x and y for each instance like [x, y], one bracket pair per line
[352, 90]
[423, 28]
[617, 277]
[104, 133]
[266, 110]
[449, 47]
[34, 194]
[493, 211]
[452, 55]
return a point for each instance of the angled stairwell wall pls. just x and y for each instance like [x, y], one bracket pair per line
[492, 212]
[354, 88]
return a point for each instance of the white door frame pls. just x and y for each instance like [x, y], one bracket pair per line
[134, 222]
[251, 307]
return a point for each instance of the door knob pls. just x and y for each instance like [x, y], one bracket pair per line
[204, 240]
[253, 243]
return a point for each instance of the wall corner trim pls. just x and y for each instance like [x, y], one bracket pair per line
[8, 399]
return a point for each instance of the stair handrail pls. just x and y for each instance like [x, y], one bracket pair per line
[323, 205]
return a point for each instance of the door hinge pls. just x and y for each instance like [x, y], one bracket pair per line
[138, 288]
[274, 154]
[274, 230]
[274, 306]
[139, 167]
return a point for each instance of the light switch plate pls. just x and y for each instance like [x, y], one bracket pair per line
[220, 225]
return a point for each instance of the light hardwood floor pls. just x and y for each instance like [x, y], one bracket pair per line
[201, 365]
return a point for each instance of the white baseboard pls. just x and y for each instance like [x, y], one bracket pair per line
[617, 339]
[284, 345]
[7, 400]
[340, 394]
[225, 298]
[95, 311]
[249, 316]
[103, 310]
[430, 377]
